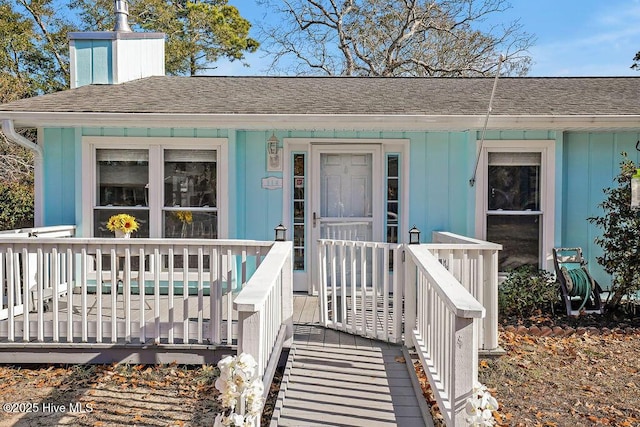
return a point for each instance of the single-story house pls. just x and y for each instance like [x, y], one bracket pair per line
[363, 158]
[209, 166]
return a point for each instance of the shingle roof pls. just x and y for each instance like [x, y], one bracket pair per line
[583, 96]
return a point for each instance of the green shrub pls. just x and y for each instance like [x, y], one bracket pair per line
[527, 292]
[620, 239]
[16, 205]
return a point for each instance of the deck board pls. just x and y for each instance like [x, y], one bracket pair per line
[340, 379]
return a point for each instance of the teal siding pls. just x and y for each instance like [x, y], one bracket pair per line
[259, 208]
[440, 194]
[59, 177]
[94, 60]
[591, 163]
[441, 164]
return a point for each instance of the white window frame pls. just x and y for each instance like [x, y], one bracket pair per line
[546, 148]
[156, 147]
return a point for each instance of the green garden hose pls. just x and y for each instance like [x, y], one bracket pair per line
[581, 285]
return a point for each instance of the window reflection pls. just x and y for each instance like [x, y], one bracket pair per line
[190, 182]
[514, 188]
[123, 177]
[513, 199]
[299, 204]
[122, 180]
[189, 178]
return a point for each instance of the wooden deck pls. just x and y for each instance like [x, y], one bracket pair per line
[338, 379]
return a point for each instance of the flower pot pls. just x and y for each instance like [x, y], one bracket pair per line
[122, 234]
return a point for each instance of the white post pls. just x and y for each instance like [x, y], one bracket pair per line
[287, 296]
[466, 367]
[490, 288]
[410, 296]
[250, 336]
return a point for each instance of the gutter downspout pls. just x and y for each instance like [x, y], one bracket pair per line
[38, 170]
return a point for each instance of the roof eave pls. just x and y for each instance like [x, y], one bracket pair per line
[374, 122]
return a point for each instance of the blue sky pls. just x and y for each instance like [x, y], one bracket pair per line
[574, 37]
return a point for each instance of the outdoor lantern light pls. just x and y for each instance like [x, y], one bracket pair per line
[635, 190]
[281, 233]
[274, 162]
[414, 236]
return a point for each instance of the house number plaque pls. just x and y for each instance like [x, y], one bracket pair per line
[271, 183]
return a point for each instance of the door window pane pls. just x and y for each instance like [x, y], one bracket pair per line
[345, 185]
[347, 230]
[393, 181]
[299, 204]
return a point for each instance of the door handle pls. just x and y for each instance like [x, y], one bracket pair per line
[316, 218]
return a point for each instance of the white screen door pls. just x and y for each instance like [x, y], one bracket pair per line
[347, 186]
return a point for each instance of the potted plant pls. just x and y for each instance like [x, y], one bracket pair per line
[122, 225]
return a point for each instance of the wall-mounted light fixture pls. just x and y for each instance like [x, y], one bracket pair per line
[274, 154]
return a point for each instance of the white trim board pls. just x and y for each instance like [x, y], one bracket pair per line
[399, 122]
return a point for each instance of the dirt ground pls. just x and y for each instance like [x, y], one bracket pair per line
[113, 395]
[580, 380]
[167, 395]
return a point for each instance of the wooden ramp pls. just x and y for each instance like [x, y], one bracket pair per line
[338, 379]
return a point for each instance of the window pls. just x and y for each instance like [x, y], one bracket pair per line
[393, 202]
[298, 210]
[514, 216]
[516, 198]
[190, 198]
[393, 186]
[171, 185]
[122, 187]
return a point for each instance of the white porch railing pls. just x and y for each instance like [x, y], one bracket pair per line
[53, 231]
[265, 310]
[358, 282]
[474, 263]
[436, 296]
[444, 334]
[125, 291]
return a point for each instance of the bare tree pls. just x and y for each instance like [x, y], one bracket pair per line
[394, 38]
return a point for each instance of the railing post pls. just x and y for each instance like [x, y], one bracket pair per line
[466, 367]
[287, 297]
[490, 288]
[250, 336]
[410, 295]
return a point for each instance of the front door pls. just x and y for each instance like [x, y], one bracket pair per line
[346, 195]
